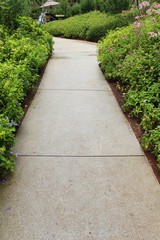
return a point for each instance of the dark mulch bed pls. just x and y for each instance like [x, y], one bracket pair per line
[136, 128]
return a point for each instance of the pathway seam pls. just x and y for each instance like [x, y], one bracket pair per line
[80, 156]
[76, 90]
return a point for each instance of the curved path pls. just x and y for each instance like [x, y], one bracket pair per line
[82, 174]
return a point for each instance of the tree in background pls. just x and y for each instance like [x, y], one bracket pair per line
[36, 2]
[64, 8]
[88, 5]
[11, 9]
[101, 5]
[76, 9]
[117, 6]
[112, 6]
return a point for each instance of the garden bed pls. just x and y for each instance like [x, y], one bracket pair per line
[130, 56]
[23, 55]
[137, 129]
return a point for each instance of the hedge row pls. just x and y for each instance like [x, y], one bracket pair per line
[131, 56]
[90, 26]
[22, 55]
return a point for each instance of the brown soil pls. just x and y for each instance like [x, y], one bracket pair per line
[136, 128]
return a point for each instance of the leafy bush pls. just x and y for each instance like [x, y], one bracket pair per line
[22, 56]
[99, 30]
[151, 141]
[7, 156]
[90, 26]
[131, 57]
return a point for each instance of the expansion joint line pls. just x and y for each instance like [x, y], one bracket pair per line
[81, 156]
[74, 90]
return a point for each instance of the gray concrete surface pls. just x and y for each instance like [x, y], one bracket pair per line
[76, 123]
[83, 174]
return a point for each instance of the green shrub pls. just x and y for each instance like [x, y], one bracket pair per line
[99, 30]
[7, 156]
[151, 141]
[11, 92]
[131, 57]
[90, 26]
[23, 54]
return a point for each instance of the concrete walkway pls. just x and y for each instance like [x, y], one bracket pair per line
[83, 174]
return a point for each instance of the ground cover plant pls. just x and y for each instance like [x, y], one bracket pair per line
[131, 56]
[22, 55]
[90, 26]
